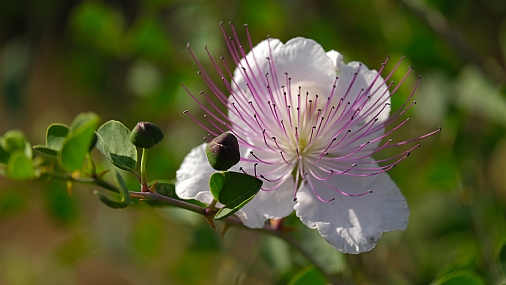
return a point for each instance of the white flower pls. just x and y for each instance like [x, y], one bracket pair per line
[307, 124]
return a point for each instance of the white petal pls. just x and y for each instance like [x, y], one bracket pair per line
[303, 59]
[273, 204]
[380, 96]
[353, 224]
[193, 176]
[336, 58]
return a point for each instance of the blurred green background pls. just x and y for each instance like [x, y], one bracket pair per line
[125, 60]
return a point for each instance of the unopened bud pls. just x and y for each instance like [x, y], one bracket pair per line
[223, 151]
[146, 135]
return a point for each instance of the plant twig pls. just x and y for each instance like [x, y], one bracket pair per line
[231, 220]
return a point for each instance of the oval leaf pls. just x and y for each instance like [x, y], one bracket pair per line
[234, 190]
[76, 144]
[20, 166]
[55, 137]
[114, 143]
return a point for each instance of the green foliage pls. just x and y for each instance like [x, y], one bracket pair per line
[123, 196]
[114, 143]
[77, 142]
[20, 166]
[234, 190]
[61, 56]
[16, 156]
[13, 140]
[55, 137]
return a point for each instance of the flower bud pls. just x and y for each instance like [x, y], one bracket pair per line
[146, 135]
[223, 151]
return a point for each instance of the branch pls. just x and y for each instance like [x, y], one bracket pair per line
[206, 212]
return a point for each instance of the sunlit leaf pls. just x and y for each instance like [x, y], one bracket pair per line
[234, 190]
[77, 143]
[114, 143]
[20, 166]
[308, 276]
[13, 141]
[55, 137]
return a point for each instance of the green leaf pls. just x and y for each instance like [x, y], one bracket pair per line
[124, 195]
[55, 137]
[12, 141]
[4, 155]
[165, 187]
[20, 166]
[234, 190]
[308, 276]
[461, 277]
[76, 144]
[114, 143]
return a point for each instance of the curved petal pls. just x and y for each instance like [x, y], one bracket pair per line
[303, 60]
[377, 106]
[365, 79]
[266, 205]
[275, 200]
[353, 224]
[193, 176]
